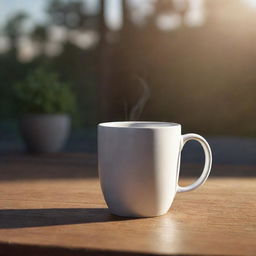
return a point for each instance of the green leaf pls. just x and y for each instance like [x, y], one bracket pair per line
[43, 92]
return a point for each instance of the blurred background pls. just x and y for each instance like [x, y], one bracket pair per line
[186, 61]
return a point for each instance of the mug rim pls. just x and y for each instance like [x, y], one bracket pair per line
[140, 125]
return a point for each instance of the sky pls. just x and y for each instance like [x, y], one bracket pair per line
[34, 8]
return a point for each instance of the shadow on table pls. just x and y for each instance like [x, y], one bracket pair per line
[22, 218]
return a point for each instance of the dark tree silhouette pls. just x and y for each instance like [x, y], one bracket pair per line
[14, 27]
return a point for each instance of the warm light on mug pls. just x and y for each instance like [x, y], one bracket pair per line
[251, 3]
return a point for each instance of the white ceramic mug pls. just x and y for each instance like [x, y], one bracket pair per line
[139, 166]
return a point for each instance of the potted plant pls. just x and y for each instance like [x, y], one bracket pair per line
[45, 105]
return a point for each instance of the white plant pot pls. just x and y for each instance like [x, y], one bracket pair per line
[45, 133]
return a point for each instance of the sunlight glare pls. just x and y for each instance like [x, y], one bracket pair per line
[250, 3]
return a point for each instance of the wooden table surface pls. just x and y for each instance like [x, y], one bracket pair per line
[66, 215]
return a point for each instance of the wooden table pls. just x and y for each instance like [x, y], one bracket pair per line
[66, 215]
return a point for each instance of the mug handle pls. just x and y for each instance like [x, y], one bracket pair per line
[207, 164]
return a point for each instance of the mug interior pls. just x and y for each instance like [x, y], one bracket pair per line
[139, 124]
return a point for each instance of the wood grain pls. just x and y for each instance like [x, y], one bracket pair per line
[69, 217]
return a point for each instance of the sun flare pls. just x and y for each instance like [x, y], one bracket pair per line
[251, 3]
